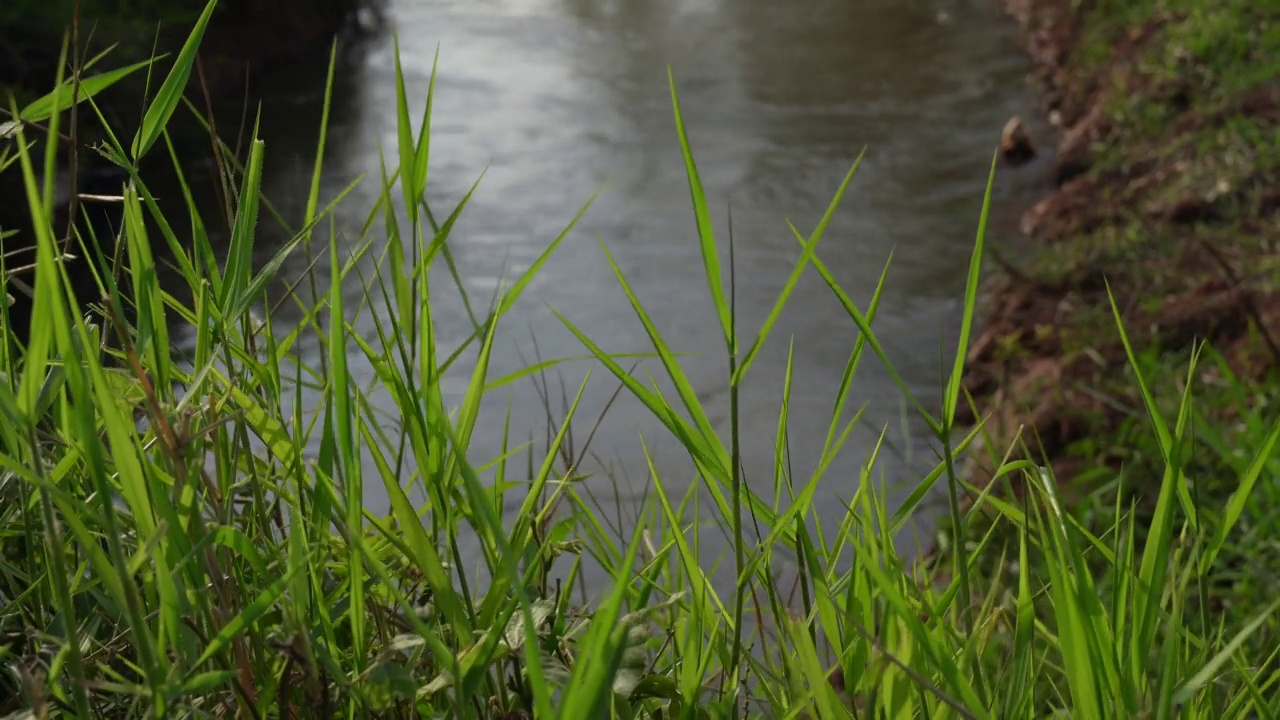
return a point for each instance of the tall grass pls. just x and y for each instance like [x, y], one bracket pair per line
[202, 562]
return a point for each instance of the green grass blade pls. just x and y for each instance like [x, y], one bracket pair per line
[405, 144]
[1170, 445]
[801, 265]
[170, 92]
[591, 684]
[422, 153]
[513, 294]
[153, 332]
[339, 394]
[864, 326]
[246, 617]
[1206, 673]
[1154, 566]
[706, 233]
[952, 397]
[62, 98]
[1239, 497]
[239, 265]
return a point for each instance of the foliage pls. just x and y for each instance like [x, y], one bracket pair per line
[172, 547]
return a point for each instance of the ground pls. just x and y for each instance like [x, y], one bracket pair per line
[1167, 178]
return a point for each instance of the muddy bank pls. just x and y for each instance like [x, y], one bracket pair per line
[1166, 189]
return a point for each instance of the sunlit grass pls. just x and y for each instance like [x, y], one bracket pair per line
[207, 563]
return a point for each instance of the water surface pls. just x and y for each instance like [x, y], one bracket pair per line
[554, 100]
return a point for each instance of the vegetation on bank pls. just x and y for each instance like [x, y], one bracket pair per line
[1166, 205]
[173, 547]
[1167, 174]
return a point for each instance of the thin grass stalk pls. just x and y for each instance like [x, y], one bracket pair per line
[47, 298]
[949, 410]
[739, 542]
[313, 195]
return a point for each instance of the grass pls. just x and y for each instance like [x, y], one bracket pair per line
[1182, 87]
[185, 554]
[1175, 209]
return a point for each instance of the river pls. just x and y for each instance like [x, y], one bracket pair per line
[556, 99]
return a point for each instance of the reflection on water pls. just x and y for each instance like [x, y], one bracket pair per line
[555, 99]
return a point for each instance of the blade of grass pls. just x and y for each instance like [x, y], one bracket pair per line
[170, 93]
[801, 265]
[706, 234]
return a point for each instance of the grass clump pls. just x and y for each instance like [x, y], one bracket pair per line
[173, 547]
[1164, 223]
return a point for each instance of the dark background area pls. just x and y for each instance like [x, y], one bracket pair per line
[243, 38]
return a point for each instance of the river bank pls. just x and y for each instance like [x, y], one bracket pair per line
[1166, 175]
[1163, 217]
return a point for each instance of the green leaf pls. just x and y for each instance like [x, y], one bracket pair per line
[170, 93]
[239, 268]
[805, 256]
[205, 682]
[655, 686]
[513, 294]
[706, 233]
[1185, 692]
[951, 400]
[61, 98]
[1235, 506]
[245, 618]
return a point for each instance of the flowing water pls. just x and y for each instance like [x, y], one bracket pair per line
[555, 99]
